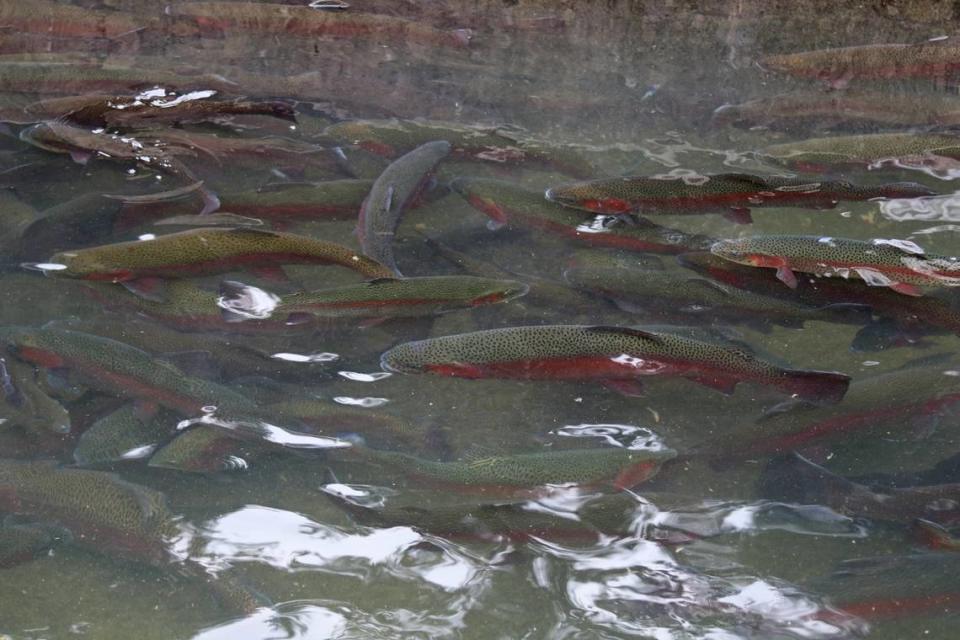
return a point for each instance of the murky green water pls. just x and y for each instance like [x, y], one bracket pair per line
[166, 473]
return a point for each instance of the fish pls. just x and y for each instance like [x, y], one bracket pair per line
[494, 145]
[793, 478]
[900, 265]
[123, 434]
[382, 298]
[843, 109]
[58, 20]
[147, 108]
[623, 468]
[668, 296]
[619, 355]
[730, 194]
[288, 20]
[327, 200]
[204, 449]
[391, 195]
[196, 252]
[23, 542]
[24, 403]
[519, 208]
[839, 66]
[935, 536]
[934, 151]
[911, 316]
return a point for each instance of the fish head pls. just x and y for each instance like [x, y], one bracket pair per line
[744, 251]
[45, 137]
[598, 196]
[409, 357]
[82, 264]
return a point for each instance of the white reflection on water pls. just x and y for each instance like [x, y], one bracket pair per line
[944, 208]
[307, 622]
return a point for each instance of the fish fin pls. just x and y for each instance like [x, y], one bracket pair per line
[635, 474]
[932, 534]
[626, 331]
[820, 387]
[786, 275]
[273, 273]
[722, 384]
[787, 406]
[738, 215]
[298, 318]
[907, 289]
[629, 388]
[153, 289]
[81, 157]
[388, 205]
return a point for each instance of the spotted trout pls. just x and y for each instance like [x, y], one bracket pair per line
[518, 208]
[391, 194]
[898, 150]
[207, 251]
[623, 468]
[25, 404]
[899, 264]
[730, 194]
[618, 355]
[839, 66]
[382, 298]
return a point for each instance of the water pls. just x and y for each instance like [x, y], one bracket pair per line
[291, 532]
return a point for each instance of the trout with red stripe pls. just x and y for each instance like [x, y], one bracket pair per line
[934, 151]
[383, 298]
[623, 468]
[899, 264]
[619, 356]
[838, 66]
[509, 204]
[730, 194]
[207, 251]
[59, 20]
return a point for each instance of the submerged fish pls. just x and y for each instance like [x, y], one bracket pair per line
[839, 66]
[383, 298]
[206, 251]
[58, 20]
[667, 296]
[619, 355]
[509, 204]
[204, 449]
[899, 150]
[125, 434]
[793, 478]
[899, 264]
[20, 543]
[82, 144]
[391, 194]
[935, 536]
[731, 194]
[328, 200]
[25, 404]
[391, 138]
[146, 108]
[624, 468]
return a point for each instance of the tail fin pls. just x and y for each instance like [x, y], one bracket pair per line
[819, 387]
[933, 535]
[239, 302]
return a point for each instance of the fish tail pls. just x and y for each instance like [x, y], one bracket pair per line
[820, 387]
[932, 534]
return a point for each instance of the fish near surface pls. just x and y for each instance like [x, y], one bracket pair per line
[204, 449]
[382, 298]
[204, 252]
[621, 467]
[839, 66]
[122, 435]
[20, 543]
[731, 194]
[391, 195]
[619, 356]
[899, 264]
[509, 204]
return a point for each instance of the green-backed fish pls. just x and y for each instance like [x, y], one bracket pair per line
[509, 204]
[205, 449]
[619, 356]
[730, 194]
[391, 194]
[203, 252]
[124, 434]
[623, 468]
[25, 404]
[21, 543]
[899, 264]
[383, 298]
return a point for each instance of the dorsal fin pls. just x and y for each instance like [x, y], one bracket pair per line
[626, 331]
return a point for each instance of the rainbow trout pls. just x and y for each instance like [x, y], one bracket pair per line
[391, 138]
[618, 355]
[730, 194]
[20, 543]
[837, 67]
[205, 449]
[898, 264]
[82, 145]
[58, 20]
[25, 404]
[898, 150]
[934, 536]
[383, 298]
[511, 205]
[204, 252]
[623, 468]
[124, 434]
[391, 195]
[150, 107]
